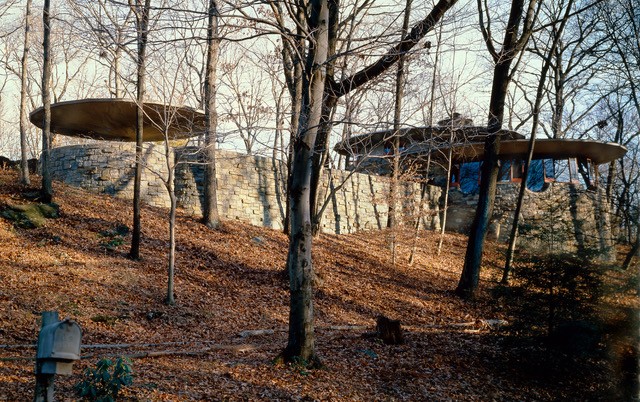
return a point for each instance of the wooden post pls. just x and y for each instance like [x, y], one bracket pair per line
[44, 382]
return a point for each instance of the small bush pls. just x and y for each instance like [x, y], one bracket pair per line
[106, 319]
[104, 382]
[113, 237]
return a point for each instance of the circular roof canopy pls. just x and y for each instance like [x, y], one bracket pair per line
[598, 152]
[363, 143]
[115, 120]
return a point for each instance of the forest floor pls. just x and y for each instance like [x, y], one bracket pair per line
[230, 282]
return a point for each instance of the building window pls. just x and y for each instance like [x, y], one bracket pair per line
[565, 170]
[549, 171]
[504, 174]
[470, 177]
[517, 171]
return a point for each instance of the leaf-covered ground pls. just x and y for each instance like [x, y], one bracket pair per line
[219, 341]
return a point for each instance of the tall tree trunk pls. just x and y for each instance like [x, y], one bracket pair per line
[335, 90]
[24, 119]
[211, 217]
[116, 70]
[142, 22]
[558, 106]
[278, 151]
[488, 180]
[301, 342]
[432, 97]
[612, 172]
[445, 207]
[296, 104]
[320, 161]
[292, 51]
[611, 175]
[416, 227]
[47, 186]
[512, 46]
[319, 158]
[534, 128]
[636, 245]
[392, 217]
[170, 298]
[295, 118]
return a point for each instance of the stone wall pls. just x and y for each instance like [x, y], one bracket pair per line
[109, 168]
[563, 216]
[250, 188]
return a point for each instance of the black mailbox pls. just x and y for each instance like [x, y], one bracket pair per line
[58, 347]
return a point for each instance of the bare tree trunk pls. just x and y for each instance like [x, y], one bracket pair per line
[612, 172]
[416, 227]
[636, 246]
[335, 90]
[446, 195]
[142, 25]
[170, 299]
[47, 186]
[392, 221]
[489, 175]
[534, 128]
[278, 150]
[503, 59]
[611, 176]
[320, 158]
[392, 218]
[301, 343]
[296, 104]
[432, 97]
[292, 51]
[116, 69]
[558, 106]
[24, 119]
[295, 118]
[211, 217]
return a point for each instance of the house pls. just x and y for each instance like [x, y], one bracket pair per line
[562, 188]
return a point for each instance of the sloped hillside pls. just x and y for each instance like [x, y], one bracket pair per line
[218, 342]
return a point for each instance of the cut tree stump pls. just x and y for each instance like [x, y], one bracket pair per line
[389, 331]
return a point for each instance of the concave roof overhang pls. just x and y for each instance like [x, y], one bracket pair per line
[115, 120]
[469, 145]
[362, 144]
[596, 151]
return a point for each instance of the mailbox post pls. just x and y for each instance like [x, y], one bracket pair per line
[58, 348]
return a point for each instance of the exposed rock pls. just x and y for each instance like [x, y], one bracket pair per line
[30, 216]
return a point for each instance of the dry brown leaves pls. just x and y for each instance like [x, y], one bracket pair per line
[231, 280]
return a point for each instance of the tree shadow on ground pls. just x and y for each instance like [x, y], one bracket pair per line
[570, 327]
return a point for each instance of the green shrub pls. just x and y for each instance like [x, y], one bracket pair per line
[104, 382]
[113, 237]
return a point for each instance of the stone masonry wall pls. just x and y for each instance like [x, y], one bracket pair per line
[250, 188]
[109, 168]
[561, 217]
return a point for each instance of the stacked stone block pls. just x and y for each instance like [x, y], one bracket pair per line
[110, 169]
[250, 188]
[563, 216]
